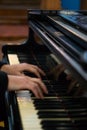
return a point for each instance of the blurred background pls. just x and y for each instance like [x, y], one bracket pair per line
[13, 16]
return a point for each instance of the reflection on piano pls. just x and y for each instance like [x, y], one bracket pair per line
[59, 47]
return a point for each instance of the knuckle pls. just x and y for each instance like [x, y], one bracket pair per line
[35, 70]
[35, 85]
[36, 67]
[39, 80]
[24, 64]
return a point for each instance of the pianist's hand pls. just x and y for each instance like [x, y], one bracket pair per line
[25, 82]
[18, 69]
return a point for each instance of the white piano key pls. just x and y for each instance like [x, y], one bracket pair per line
[13, 59]
[28, 114]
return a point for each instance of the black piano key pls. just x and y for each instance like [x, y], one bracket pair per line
[78, 114]
[48, 114]
[47, 104]
[74, 103]
[56, 123]
[81, 124]
[27, 73]
[76, 99]
[59, 128]
[48, 107]
[50, 99]
[82, 128]
[47, 101]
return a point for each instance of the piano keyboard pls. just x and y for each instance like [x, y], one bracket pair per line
[55, 112]
[28, 114]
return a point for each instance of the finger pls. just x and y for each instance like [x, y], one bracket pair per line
[40, 84]
[34, 69]
[20, 74]
[40, 94]
[36, 72]
[37, 91]
[39, 70]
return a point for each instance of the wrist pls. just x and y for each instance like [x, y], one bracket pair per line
[5, 68]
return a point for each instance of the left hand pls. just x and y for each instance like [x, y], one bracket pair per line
[18, 69]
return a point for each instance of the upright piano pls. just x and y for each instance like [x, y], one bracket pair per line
[57, 43]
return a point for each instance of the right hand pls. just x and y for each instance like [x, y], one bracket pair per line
[25, 82]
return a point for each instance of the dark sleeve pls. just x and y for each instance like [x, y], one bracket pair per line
[3, 88]
[3, 83]
[2, 63]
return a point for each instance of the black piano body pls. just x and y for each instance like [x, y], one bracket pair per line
[57, 43]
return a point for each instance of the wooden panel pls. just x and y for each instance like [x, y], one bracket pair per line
[50, 4]
[15, 12]
[13, 16]
[83, 4]
[20, 2]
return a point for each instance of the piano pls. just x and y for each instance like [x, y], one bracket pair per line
[57, 43]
